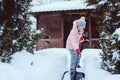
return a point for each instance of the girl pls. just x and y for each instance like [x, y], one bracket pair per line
[74, 39]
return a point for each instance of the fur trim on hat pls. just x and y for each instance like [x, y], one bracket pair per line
[82, 18]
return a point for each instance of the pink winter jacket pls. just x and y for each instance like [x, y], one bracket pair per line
[73, 39]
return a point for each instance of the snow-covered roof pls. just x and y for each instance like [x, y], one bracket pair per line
[62, 6]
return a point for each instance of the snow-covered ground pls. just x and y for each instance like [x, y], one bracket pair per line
[50, 64]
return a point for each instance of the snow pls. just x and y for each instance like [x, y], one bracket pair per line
[118, 33]
[1, 30]
[102, 2]
[112, 77]
[33, 25]
[64, 5]
[92, 64]
[51, 63]
[35, 3]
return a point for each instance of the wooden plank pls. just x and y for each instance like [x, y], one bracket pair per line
[89, 26]
[37, 22]
[55, 43]
[82, 13]
[62, 32]
[49, 43]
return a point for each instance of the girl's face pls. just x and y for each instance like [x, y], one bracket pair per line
[80, 28]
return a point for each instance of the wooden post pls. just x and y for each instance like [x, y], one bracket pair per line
[89, 25]
[62, 32]
[37, 27]
[37, 20]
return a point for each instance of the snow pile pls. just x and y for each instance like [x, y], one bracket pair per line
[47, 64]
[112, 77]
[91, 63]
[8, 72]
[50, 64]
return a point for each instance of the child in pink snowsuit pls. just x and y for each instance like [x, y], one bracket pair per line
[74, 39]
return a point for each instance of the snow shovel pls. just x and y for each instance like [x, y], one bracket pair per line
[75, 75]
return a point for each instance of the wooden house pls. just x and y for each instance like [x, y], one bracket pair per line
[57, 19]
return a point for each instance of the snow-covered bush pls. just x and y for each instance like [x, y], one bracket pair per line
[111, 52]
[108, 21]
[15, 28]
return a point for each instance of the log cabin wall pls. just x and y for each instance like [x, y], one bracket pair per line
[57, 26]
[57, 22]
[52, 24]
